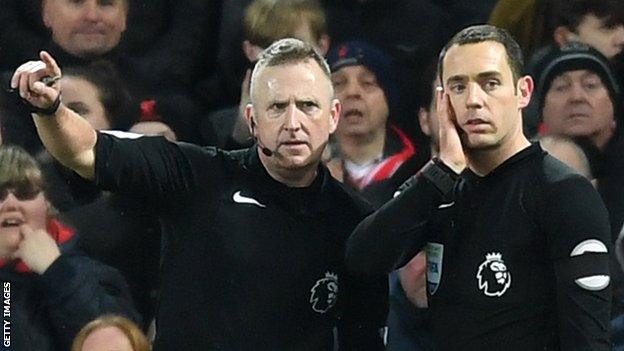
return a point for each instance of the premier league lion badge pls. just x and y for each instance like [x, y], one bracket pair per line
[324, 293]
[493, 276]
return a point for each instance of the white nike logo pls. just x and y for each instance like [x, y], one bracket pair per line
[447, 205]
[238, 198]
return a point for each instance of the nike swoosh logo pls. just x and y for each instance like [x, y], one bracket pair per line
[447, 205]
[238, 198]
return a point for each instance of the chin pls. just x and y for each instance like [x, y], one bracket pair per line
[296, 162]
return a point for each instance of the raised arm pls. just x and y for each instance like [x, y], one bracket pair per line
[67, 136]
[391, 236]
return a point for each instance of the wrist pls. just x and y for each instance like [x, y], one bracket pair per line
[455, 167]
[48, 111]
[440, 175]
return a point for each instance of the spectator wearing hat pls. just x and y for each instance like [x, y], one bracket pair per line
[578, 96]
[597, 23]
[376, 156]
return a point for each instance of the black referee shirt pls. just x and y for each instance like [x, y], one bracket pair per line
[248, 263]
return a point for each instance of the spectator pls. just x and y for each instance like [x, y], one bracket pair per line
[53, 290]
[579, 97]
[111, 332]
[82, 32]
[567, 151]
[376, 155]
[597, 23]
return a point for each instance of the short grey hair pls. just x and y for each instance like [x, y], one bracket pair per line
[288, 51]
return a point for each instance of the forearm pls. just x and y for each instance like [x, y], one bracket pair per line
[70, 139]
[392, 235]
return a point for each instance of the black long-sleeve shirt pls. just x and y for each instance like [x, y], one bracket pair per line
[517, 260]
[248, 263]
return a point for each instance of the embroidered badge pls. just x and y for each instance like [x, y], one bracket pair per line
[324, 293]
[493, 276]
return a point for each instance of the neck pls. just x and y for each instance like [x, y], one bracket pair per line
[484, 161]
[291, 177]
[362, 148]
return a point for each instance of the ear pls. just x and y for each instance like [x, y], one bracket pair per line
[334, 115]
[423, 120]
[251, 51]
[323, 44]
[524, 88]
[249, 117]
[562, 35]
[45, 13]
[125, 16]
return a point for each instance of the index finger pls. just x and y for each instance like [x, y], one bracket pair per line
[51, 65]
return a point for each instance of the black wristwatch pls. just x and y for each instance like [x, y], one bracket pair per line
[440, 175]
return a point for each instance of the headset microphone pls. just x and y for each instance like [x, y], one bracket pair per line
[265, 150]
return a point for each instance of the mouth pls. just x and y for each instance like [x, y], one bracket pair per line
[352, 114]
[578, 115]
[293, 143]
[476, 122]
[11, 222]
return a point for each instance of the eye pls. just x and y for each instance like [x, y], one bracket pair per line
[307, 106]
[592, 84]
[491, 84]
[107, 2]
[560, 87]
[278, 106]
[457, 88]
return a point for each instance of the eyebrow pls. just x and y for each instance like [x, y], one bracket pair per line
[461, 77]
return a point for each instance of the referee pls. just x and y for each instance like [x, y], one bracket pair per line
[254, 239]
[517, 243]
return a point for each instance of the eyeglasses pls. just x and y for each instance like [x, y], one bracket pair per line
[22, 193]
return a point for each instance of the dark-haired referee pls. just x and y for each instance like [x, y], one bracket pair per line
[517, 243]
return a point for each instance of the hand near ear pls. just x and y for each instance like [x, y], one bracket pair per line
[451, 151]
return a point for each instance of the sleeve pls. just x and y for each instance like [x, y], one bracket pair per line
[579, 239]
[149, 167]
[391, 236]
[77, 290]
[364, 312]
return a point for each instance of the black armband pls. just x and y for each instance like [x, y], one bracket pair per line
[440, 175]
[46, 112]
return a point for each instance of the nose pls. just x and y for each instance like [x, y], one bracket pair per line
[474, 98]
[577, 93]
[292, 122]
[352, 89]
[91, 10]
[9, 203]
